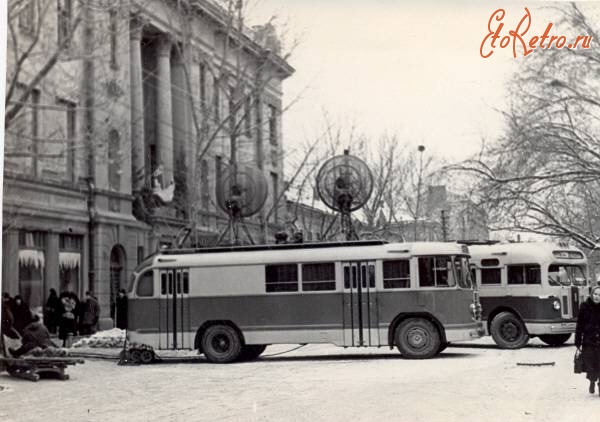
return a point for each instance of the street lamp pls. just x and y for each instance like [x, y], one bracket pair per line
[420, 148]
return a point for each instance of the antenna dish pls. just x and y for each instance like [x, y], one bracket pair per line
[344, 184]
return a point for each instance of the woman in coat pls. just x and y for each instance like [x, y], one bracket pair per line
[121, 308]
[53, 311]
[21, 314]
[587, 336]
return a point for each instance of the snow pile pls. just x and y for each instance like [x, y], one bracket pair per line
[103, 339]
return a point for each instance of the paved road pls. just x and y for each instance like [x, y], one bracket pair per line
[469, 382]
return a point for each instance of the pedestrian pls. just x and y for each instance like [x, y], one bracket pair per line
[90, 313]
[587, 337]
[52, 311]
[121, 308]
[68, 317]
[7, 324]
[34, 335]
[21, 313]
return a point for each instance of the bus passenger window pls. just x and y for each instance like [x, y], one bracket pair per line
[490, 276]
[281, 278]
[170, 278]
[372, 276]
[186, 282]
[318, 277]
[346, 277]
[363, 276]
[524, 274]
[163, 284]
[396, 274]
[145, 286]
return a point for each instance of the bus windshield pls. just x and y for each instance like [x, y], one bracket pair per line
[566, 275]
[463, 275]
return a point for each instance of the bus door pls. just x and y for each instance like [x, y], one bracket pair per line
[174, 309]
[359, 300]
[570, 300]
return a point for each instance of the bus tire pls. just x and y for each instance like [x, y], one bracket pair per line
[443, 347]
[417, 338]
[508, 331]
[221, 344]
[251, 352]
[555, 340]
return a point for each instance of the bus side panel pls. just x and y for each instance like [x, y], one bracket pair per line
[449, 306]
[143, 321]
[528, 307]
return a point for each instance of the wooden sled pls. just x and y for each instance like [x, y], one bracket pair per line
[32, 368]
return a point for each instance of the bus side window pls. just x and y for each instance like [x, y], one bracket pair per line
[178, 286]
[363, 276]
[372, 276]
[346, 277]
[163, 284]
[145, 286]
[170, 278]
[186, 282]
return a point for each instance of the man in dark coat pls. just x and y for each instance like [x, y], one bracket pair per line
[52, 311]
[587, 334]
[21, 313]
[121, 308]
[90, 314]
[34, 335]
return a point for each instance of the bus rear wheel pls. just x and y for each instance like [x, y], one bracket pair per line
[417, 338]
[251, 352]
[221, 344]
[555, 340]
[508, 331]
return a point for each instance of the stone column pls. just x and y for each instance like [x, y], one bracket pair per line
[164, 109]
[137, 104]
[52, 270]
[10, 262]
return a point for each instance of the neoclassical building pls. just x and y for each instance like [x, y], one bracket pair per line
[122, 144]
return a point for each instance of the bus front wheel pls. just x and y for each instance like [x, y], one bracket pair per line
[555, 340]
[221, 344]
[508, 331]
[417, 338]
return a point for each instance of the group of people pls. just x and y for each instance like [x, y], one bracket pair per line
[587, 338]
[65, 314]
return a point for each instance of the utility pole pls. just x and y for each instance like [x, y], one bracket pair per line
[421, 148]
[88, 135]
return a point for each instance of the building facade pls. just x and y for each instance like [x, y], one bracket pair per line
[124, 141]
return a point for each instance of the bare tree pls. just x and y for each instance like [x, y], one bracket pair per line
[543, 175]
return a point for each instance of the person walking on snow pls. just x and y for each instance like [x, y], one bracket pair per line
[587, 337]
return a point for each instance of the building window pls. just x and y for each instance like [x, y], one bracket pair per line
[218, 170]
[27, 17]
[396, 274]
[281, 278]
[114, 160]
[69, 262]
[114, 38]
[248, 114]
[140, 254]
[203, 86]
[21, 147]
[436, 271]
[524, 274]
[216, 100]
[490, 276]
[69, 131]
[65, 14]
[275, 188]
[204, 186]
[32, 262]
[272, 125]
[318, 277]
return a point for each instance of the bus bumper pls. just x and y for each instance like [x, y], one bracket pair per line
[538, 328]
[465, 332]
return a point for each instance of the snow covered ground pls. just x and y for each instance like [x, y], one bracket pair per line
[468, 382]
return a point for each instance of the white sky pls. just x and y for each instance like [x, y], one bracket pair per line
[410, 67]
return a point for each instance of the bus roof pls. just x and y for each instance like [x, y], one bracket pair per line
[527, 252]
[302, 252]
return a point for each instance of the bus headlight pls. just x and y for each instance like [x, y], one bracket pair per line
[556, 305]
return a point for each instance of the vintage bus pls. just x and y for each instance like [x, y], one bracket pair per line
[230, 302]
[529, 290]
